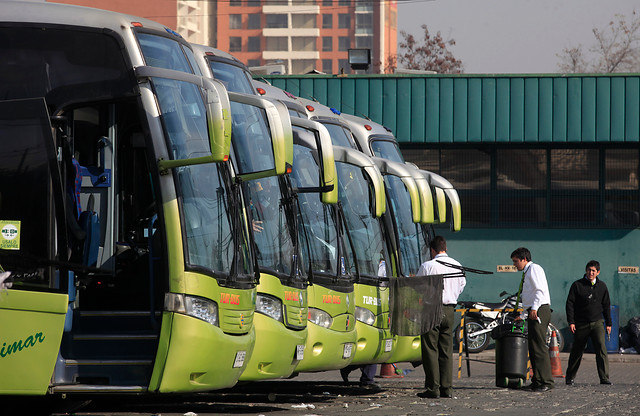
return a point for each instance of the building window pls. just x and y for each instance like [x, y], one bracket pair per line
[327, 2]
[299, 43]
[344, 21]
[253, 44]
[235, 44]
[279, 43]
[327, 21]
[364, 42]
[344, 2]
[344, 43]
[277, 2]
[327, 43]
[303, 21]
[541, 187]
[364, 24]
[277, 21]
[235, 3]
[235, 21]
[253, 3]
[253, 62]
[253, 21]
[327, 66]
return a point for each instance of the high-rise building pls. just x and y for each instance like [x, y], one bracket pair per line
[302, 35]
[194, 19]
[306, 35]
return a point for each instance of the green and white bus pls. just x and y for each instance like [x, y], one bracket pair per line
[410, 205]
[332, 325]
[131, 263]
[412, 238]
[270, 203]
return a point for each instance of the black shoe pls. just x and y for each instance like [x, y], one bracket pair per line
[541, 389]
[371, 386]
[530, 387]
[445, 394]
[345, 375]
[428, 394]
[605, 382]
[569, 382]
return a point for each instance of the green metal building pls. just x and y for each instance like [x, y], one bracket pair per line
[548, 162]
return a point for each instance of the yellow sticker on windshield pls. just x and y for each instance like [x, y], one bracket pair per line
[9, 235]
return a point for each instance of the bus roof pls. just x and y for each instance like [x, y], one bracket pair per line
[64, 14]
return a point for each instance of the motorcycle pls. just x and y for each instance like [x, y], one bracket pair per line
[478, 325]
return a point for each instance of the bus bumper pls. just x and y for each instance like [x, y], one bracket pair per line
[327, 349]
[199, 356]
[275, 356]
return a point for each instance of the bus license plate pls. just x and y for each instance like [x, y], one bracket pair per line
[346, 353]
[388, 344]
[239, 361]
[300, 352]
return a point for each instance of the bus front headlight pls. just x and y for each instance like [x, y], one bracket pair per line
[197, 307]
[364, 315]
[320, 318]
[269, 305]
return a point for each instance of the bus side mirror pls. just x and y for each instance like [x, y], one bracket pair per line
[218, 120]
[426, 198]
[379, 196]
[359, 159]
[328, 175]
[217, 109]
[443, 191]
[404, 173]
[281, 136]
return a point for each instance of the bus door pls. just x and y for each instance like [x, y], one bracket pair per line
[32, 229]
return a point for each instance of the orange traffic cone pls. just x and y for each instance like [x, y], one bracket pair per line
[389, 371]
[554, 355]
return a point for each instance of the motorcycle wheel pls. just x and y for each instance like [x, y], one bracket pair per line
[559, 336]
[478, 343]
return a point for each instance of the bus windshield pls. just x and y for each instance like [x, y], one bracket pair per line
[273, 228]
[365, 230]
[208, 215]
[412, 249]
[318, 220]
[212, 235]
[340, 136]
[235, 78]
[386, 149]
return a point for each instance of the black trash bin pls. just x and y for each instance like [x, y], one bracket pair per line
[511, 356]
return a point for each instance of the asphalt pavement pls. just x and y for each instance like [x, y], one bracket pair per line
[326, 394]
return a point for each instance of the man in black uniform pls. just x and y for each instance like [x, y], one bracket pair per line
[587, 303]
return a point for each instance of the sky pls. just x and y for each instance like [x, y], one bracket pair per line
[511, 36]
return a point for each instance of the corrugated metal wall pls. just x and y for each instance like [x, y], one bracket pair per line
[484, 108]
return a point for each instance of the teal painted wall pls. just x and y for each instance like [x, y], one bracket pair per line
[484, 108]
[562, 253]
[507, 109]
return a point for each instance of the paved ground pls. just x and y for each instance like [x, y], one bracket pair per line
[325, 394]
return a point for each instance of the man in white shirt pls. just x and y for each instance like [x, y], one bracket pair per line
[537, 301]
[437, 344]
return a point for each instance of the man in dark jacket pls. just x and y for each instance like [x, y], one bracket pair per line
[588, 304]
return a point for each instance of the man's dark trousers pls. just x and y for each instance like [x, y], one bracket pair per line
[538, 349]
[437, 350]
[596, 331]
